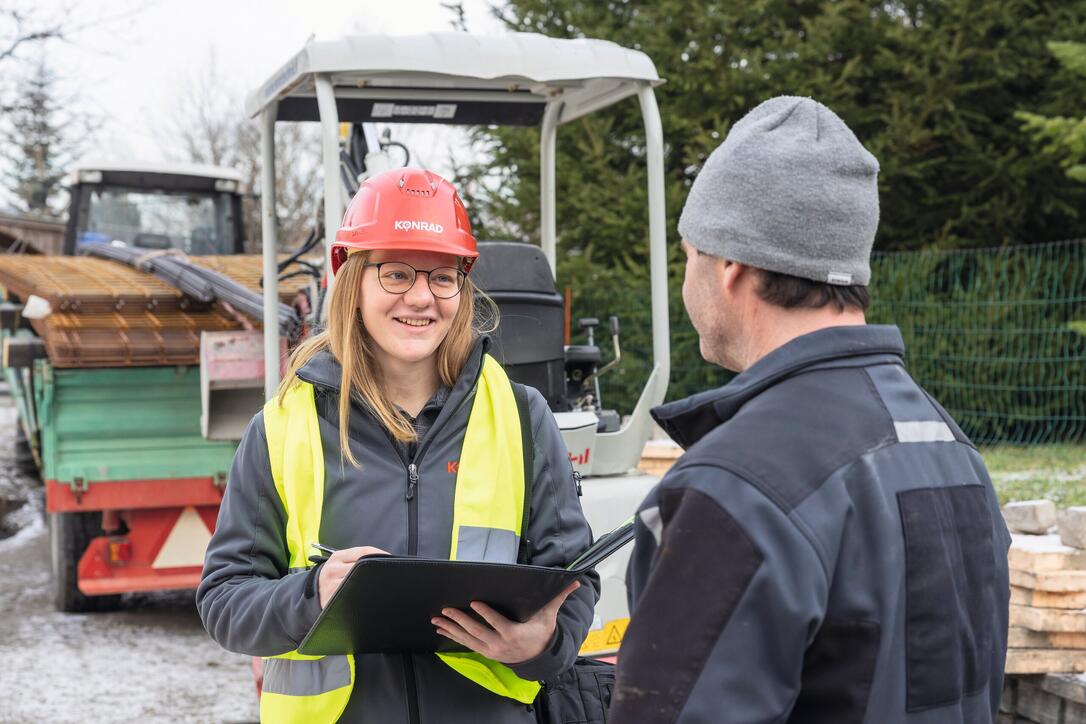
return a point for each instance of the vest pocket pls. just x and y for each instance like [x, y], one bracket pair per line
[949, 581]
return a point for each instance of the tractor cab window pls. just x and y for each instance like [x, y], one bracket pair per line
[190, 221]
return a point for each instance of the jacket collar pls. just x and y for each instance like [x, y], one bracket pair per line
[690, 419]
[324, 371]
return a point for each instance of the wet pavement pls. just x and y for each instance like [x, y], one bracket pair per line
[150, 661]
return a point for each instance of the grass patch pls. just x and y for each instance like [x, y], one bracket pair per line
[1029, 472]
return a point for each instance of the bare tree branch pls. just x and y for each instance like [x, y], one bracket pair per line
[28, 38]
[20, 27]
[209, 126]
[23, 30]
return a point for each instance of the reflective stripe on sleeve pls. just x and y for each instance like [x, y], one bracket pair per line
[929, 431]
[306, 677]
[651, 518]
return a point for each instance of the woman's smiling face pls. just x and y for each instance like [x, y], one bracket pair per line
[406, 327]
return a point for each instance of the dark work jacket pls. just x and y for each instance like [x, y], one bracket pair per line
[251, 604]
[828, 549]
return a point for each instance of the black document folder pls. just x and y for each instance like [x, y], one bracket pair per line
[385, 603]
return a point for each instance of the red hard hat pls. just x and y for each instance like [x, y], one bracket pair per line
[406, 208]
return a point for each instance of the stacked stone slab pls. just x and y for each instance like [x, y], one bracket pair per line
[1073, 527]
[1035, 517]
[658, 457]
[1048, 591]
[1044, 699]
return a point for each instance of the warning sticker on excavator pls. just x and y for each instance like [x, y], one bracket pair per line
[605, 639]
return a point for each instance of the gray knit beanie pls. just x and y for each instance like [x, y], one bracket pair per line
[790, 190]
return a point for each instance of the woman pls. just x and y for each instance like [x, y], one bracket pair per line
[425, 457]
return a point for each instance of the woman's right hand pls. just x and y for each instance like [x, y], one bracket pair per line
[336, 568]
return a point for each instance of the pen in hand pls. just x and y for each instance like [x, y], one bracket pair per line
[336, 564]
[325, 553]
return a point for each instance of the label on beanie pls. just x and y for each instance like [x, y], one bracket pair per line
[839, 278]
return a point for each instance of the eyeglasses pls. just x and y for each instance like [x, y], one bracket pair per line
[396, 277]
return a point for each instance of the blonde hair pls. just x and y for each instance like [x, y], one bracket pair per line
[351, 345]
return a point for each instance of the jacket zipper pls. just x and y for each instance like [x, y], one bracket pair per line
[410, 679]
[410, 495]
[412, 688]
[412, 509]
[412, 549]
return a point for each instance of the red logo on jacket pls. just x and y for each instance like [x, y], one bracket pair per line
[453, 466]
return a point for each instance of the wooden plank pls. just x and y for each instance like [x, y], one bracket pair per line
[1048, 619]
[1023, 638]
[1055, 581]
[1045, 661]
[1032, 553]
[1048, 599]
[1067, 686]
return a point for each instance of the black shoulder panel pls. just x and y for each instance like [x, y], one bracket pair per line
[792, 437]
[690, 596]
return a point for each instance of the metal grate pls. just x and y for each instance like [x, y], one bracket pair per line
[248, 270]
[87, 284]
[132, 337]
[998, 336]
[107, 314]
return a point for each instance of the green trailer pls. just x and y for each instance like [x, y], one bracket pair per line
[132, 478]
[132, 488]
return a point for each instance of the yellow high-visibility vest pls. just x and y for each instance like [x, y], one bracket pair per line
[487, 509]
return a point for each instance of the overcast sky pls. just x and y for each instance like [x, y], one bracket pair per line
[131, 69]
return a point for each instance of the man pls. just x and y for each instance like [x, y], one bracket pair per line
[829, 548]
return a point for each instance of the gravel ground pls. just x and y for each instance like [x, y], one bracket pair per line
[150, 661]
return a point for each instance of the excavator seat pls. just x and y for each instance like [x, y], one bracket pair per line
[530, 335]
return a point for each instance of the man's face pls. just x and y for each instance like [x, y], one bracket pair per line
[705, 299]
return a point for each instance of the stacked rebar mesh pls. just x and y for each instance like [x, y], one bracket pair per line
[106, 313]
[198, 282]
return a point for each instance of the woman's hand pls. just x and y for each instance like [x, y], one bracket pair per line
[336, 568]
[503, 640]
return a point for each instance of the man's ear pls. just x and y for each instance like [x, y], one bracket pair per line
[733, 274]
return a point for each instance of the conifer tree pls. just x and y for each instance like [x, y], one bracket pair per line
[930, 87]
[40, 144]
[1063, 136]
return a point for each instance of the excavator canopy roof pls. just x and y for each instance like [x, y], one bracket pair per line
[455, 78]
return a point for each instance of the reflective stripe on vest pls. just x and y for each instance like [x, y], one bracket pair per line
[487, 515]
[300, 688]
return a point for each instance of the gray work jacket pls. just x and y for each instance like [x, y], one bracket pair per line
[829, 549]
[250, 604]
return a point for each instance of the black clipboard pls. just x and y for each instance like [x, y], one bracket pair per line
[385, 603]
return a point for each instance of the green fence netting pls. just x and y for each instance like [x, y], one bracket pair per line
[998, 336]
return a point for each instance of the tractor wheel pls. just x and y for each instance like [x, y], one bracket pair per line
[69, 536]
